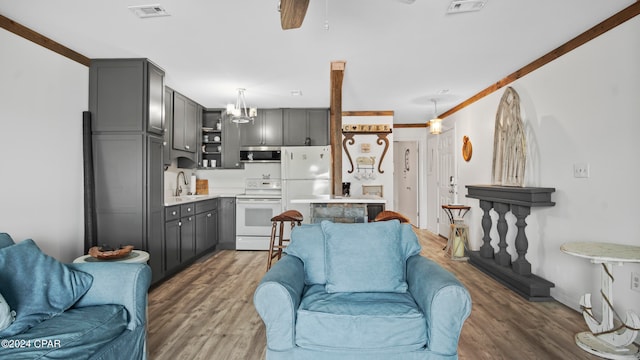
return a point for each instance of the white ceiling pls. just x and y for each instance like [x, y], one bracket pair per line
[399, 55]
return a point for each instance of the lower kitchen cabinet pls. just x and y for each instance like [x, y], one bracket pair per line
[227, 223]
[206, 225]
[190, 231]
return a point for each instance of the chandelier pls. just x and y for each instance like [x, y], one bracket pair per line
[435, 124]
[239, 112]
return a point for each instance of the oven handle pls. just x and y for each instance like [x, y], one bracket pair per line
[259, 201]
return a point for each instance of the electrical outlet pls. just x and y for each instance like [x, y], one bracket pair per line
[635, 281]
[581, 170]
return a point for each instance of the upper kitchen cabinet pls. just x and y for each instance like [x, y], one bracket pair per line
[231, 144]
[186, 114]
[266, 130]
[128, 95]
[220, 141]
[168, 121]
[306, 127]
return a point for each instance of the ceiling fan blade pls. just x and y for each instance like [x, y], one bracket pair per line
[292, 13]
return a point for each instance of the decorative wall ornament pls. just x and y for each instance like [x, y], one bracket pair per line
[509, 142]
[467, 149]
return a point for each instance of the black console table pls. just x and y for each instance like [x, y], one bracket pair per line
[517, 274]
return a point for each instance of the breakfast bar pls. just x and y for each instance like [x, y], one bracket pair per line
[343, 209]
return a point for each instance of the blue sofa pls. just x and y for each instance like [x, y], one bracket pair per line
[360, 291]
[70, 311]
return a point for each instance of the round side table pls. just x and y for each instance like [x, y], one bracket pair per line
[604, 339]
[136, 256]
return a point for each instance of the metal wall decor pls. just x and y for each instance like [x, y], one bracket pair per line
[349, 131]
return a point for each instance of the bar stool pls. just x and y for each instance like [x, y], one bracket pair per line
[391, 215]
[275, 250]
[458, 240]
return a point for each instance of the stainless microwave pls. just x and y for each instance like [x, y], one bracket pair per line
[260, 154]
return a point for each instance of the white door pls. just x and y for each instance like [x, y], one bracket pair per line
[446, 169]
[405, 181]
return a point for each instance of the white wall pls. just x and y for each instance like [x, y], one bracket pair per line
[42, 96]
[582, 108]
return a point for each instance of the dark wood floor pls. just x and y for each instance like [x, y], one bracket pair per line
[206, 312]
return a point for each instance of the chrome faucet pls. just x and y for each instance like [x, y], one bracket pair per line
[178, 187]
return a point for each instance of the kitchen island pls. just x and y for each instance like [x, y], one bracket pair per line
[353, 209]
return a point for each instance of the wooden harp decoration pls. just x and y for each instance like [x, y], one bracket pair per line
[509, 142]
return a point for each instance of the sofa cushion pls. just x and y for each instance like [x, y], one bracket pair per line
[75, 334]
[5, 240]
[364, 257]
[307, 244]
[36, 285]
[386, 322]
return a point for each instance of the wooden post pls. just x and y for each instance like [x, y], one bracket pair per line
[335, 125]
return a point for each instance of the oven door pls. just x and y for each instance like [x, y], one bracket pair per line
[253, 216]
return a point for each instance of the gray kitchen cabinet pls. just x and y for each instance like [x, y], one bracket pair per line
[306, 127]
[180, 230]
[187, 232]
[231, 144]
[172, 244]
[206, 226]
[227, 223]
[126, 95]
[266, 130]
[185, 123]
[155, 205]
[168, 121]
[128, 152]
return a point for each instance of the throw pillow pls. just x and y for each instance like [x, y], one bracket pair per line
[364, 257]
[5, 240]
[7, 316]
[307, 244]
[37, 286]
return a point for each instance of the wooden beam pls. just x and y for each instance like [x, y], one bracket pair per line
[418, 125]
[368, 113]
[42, 40]
[620, 17]
[292, 13]
[335, 125]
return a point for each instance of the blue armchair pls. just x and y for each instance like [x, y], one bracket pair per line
[360, 291]
[70, 311]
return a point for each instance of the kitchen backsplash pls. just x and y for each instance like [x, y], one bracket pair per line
[221, 181]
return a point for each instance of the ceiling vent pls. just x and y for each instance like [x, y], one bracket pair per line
[147, 11]
[458, 6]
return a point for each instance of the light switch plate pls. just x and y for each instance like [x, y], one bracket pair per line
[581, 170]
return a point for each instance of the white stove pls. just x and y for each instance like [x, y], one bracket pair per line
[261, 201]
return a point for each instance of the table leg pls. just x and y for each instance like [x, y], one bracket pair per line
[604, 340]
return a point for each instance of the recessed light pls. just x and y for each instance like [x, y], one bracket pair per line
[147, 11]
[296, 92]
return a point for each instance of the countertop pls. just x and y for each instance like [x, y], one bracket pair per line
[185, 199]
[334, 199]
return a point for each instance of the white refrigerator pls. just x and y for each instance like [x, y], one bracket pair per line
[305, 173]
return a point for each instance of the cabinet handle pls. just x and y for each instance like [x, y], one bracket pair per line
[186, 147]
[189, 218]
[179, 223]
[188, 209]
[209, 215]
[164, 143]
[174, 213]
